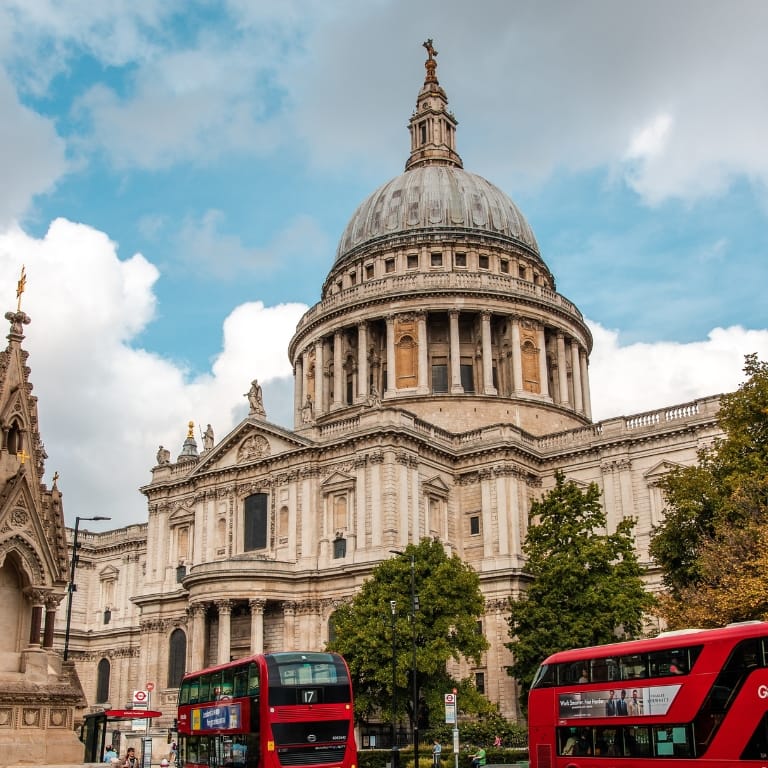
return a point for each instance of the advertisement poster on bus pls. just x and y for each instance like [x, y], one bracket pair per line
[618, 702]
[219, 718]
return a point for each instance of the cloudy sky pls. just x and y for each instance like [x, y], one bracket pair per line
[176, 175]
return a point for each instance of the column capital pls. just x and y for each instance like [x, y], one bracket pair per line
[257, 604]
[223, 606]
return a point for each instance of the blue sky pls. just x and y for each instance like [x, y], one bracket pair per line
[176, 176]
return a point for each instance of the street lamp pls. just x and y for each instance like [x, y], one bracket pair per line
[71, 587]
[414, 680]
[395, 752]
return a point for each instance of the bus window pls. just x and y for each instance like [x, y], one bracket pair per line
[546, 676]
[184, 692]
[194, 691]
[215, 683]
[633, 667]
[571, 674]
[672, 741]
[636, 742]
[604, 670]
[205, 688]
[227, 683]
[240, 687]
[757, 746]
[253, 679]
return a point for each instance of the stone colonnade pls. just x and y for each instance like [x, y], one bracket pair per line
[505, 355]
[43, 602]
[299, 627]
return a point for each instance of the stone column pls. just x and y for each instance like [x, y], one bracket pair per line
[584, 363]
[362, 362]
[517, 356]
[455, 353]
[543, 372]
[578, 402]
[338, 371]
[390, 385]
[319, 402]
[421, 326]
[197, 646]
[562, 369]
[488, 388]
[289, 626]
[51, 604]
[298, 388]
[37, 621]
[225, 629]
[257, 606]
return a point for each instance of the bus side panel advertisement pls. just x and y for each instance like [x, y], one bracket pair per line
[222, 717]
[618, 702]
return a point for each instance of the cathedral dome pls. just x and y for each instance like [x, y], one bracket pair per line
[436, 197]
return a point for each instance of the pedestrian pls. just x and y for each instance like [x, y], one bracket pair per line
[437, 755]
[478, 758]
[109, 753]
[131, 761]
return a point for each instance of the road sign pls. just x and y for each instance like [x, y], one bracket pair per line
[150, 686]
[450, 708]
[140, 699]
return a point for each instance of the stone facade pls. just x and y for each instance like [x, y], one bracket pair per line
[40, 695]
[440, 383]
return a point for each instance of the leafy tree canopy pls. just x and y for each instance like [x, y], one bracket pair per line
[586, 585]
[449, 606]
[711, 546]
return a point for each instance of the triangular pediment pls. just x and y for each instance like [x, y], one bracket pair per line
[659, 471]
[436, 485]
[337, 481]
[108, 573]
[181, 515]
[251, 441]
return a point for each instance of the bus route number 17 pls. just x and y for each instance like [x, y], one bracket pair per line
[309, 696]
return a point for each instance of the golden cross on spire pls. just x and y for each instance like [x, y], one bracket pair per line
[20, 287]
[23, 456]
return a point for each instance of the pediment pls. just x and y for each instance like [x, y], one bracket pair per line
[436, 485]
[337, 481]
[108, 573]
[180, 516]
[660, 470]
[249, 442]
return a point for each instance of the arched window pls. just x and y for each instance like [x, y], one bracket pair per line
[14, 439]
[177, 657]
[102, 681]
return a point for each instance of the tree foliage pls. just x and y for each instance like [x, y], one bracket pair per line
[711, 545]
[450, 605]
[586, 585]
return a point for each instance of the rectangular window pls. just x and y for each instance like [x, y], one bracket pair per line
[467, 377]
[480, 682]
[460, 260]
[389, 265]
[504, 266]
[474, 525]
[521, 272]
[255, 522]
[483, 261]
[436, 259]
[352, 278]
[413, 261]
[369, 271]
[339, 548]
[439, 376]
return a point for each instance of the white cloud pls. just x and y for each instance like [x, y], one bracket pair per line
[651, 139]
[105, 405]
[31, 154]
[631, 379]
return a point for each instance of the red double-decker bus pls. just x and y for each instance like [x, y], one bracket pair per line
[270, 710]
[684, 698]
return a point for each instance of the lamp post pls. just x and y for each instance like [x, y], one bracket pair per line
[71, 587]
[395, 752]
[414, 673]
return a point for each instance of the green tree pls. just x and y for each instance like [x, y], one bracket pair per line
[586, 586]
[711, 544]
[449, 606]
